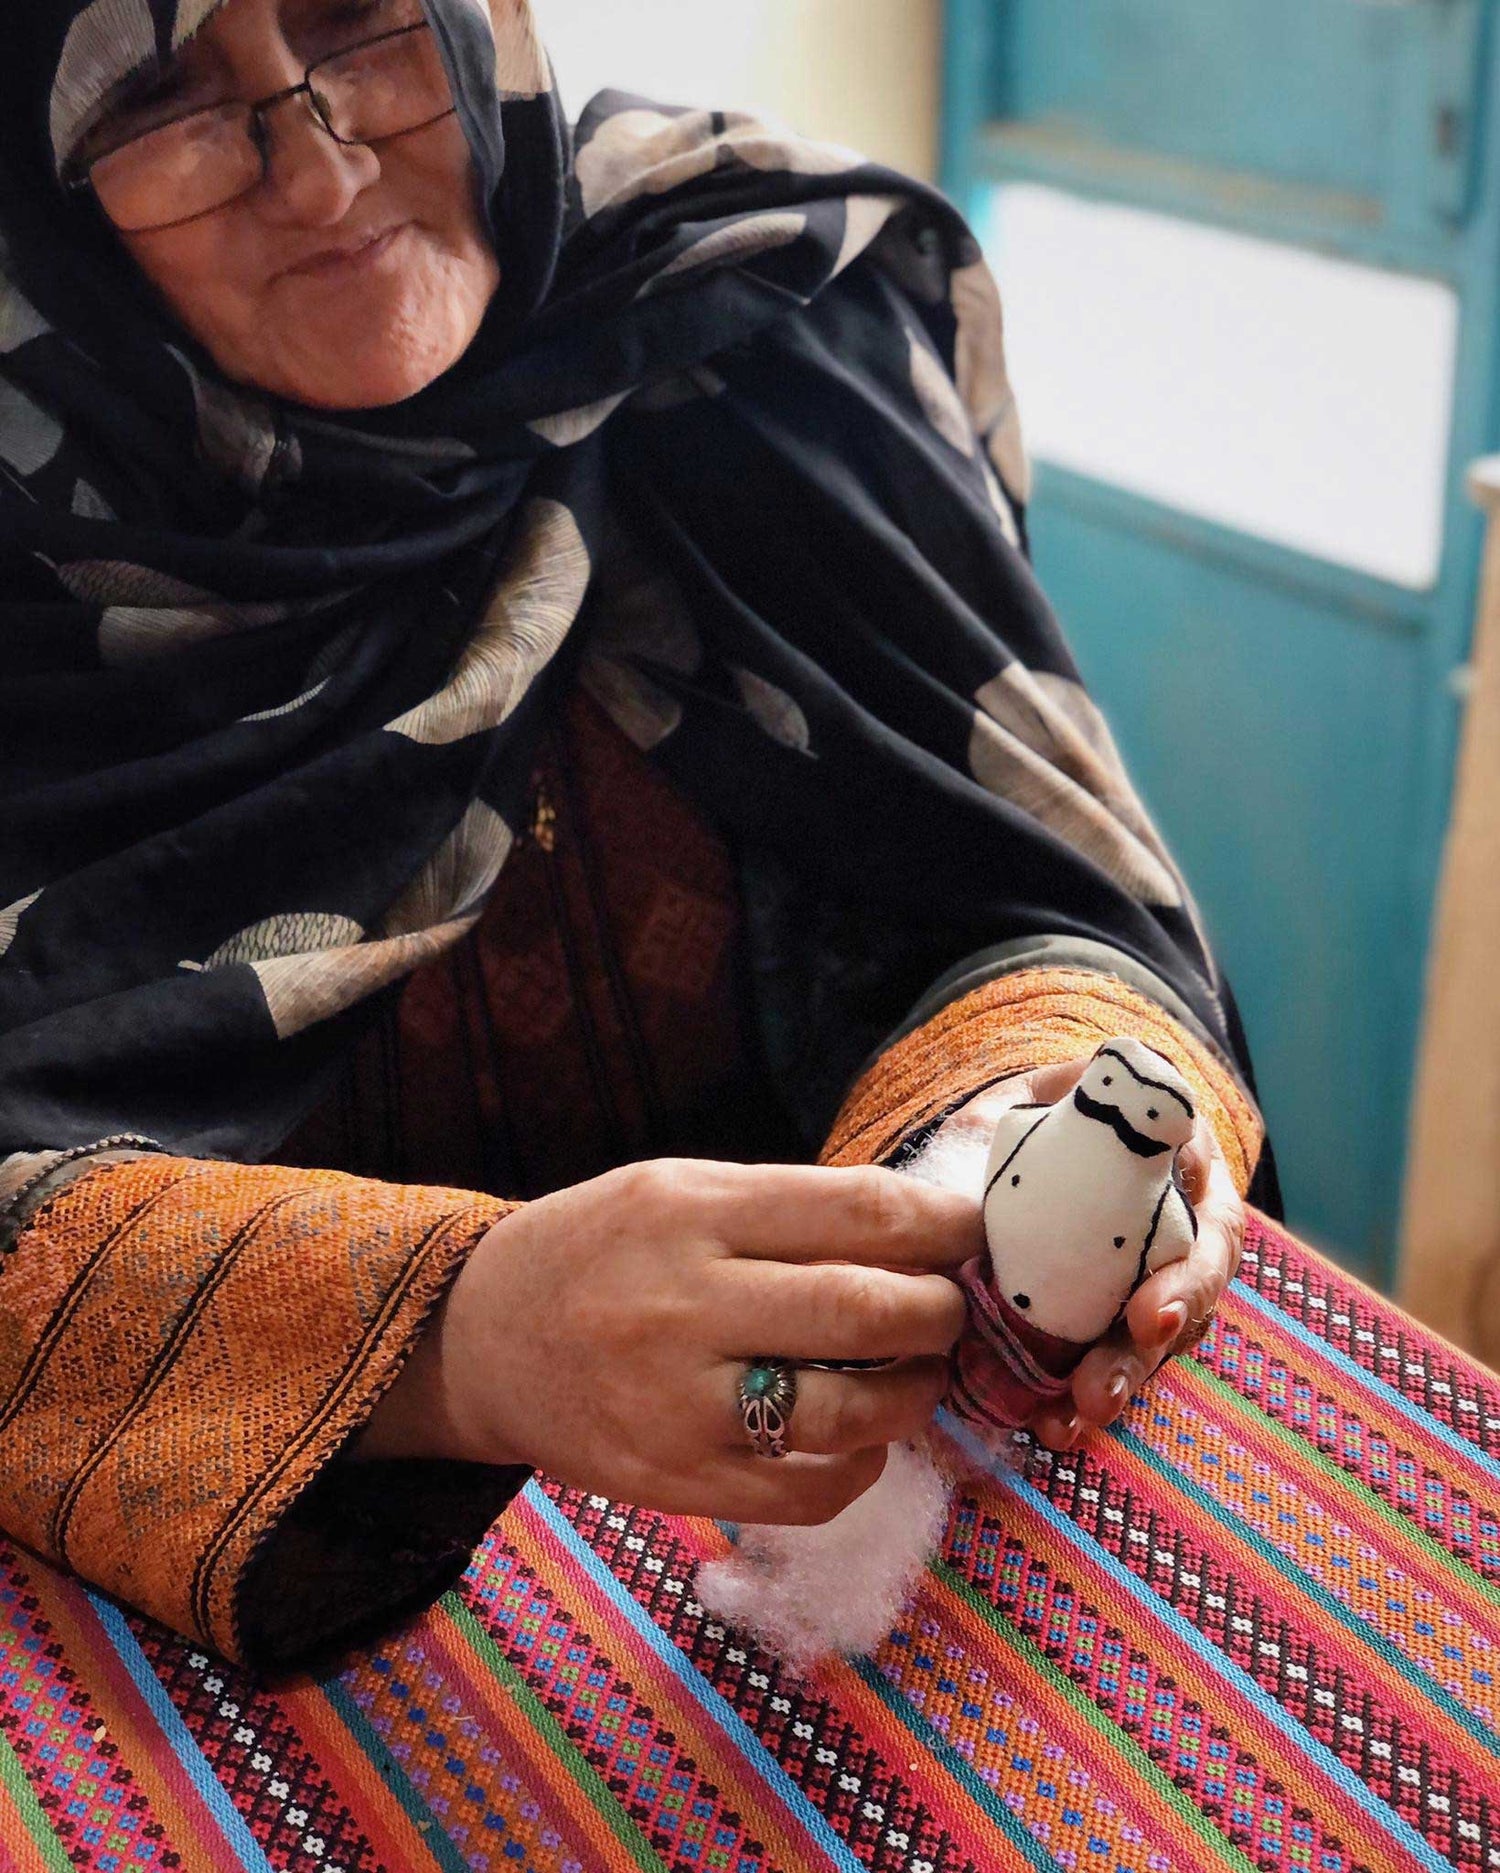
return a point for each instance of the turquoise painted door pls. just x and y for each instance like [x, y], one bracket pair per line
[1290, 713]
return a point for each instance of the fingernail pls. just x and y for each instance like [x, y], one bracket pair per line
[1170, 1322]
[1118, 1389]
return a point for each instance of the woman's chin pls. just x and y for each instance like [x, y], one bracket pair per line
[345, 378]
[328, 360]
[376, 390]
[331, 342]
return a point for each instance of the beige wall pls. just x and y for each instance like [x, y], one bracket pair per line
[861, 72]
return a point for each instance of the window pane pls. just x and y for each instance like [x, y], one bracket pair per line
[1302, 399]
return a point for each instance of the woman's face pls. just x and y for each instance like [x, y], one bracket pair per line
[352, 275]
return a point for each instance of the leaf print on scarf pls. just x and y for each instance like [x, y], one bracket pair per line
[650, 152]
[570, 426]
[643, 152]
[644, 620]
[865, 216]
[287, 934]
[781, 718]
[90, 504]
[29, 435]
[314, 965]
[730, 246]
[939, 398]
[19, 319]
[236, 431]
[1000, 501]
[147, 614]
[522, 70]
[682, 387]
[765, 144]
[10, 919]
[528, 617]
[457, 878]
[303, 991]
[107, 40]
[983, 378]
[1034, 743]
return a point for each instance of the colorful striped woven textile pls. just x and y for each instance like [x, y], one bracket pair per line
[1256, 1627]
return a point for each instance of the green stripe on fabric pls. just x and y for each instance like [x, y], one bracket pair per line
[435, 1836]
[1410, 1532]
[942, 1751]
[33, 1816]
[1301, 1582]
[1119, 1741]
[590, 1783]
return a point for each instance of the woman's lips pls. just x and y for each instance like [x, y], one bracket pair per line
[345, 262]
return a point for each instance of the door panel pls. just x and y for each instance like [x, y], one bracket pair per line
[1273, 735]
[1332, 94]
[1294, 395]
[1283, 672]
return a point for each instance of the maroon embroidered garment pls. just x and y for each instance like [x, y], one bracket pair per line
[598, 1014]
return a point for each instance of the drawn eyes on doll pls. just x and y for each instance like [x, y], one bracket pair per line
[1109, 1079]
[1153, 1113]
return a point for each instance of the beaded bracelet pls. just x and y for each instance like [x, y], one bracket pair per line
[14, 1212]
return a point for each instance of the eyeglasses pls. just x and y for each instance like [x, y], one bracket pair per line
[382, 88]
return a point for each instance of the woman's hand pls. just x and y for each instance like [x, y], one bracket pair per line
[600, 1334]
[1171, 1310]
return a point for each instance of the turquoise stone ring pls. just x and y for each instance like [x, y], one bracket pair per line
[768, 1392]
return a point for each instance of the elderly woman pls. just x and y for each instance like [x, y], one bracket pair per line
[525, 720]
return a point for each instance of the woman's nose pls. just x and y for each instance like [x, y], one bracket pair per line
[312, 180]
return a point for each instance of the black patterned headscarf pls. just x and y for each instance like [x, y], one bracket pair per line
[736, 447]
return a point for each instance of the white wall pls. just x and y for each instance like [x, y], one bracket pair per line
[861, 72]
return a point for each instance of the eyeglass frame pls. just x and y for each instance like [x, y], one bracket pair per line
[260, 137]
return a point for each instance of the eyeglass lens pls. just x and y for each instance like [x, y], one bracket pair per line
[383, 88]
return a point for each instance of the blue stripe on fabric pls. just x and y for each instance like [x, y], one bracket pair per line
[713, 1702]
[1371, 1381]
[937, 1746]
[435, 1836]
[1221, 1665]
[1358, 1628]
[195, 1765]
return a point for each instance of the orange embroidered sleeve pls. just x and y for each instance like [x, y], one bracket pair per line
[1034, 1018]
[184, 1347]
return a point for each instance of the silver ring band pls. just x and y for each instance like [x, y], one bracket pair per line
[768, 1394]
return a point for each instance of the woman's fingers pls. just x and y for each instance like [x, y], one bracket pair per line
[1040, 1086]
[797, 1491]
[1058, 1426]
[803, 1213]
[1110, 1376]
[1172, 1310]
[1050, 1084]
[831, 1312]
[621, 1314]
[1195, 1165]
[838, 1414]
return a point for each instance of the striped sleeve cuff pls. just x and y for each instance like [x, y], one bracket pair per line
[185, 1346]
[1010, 1025]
